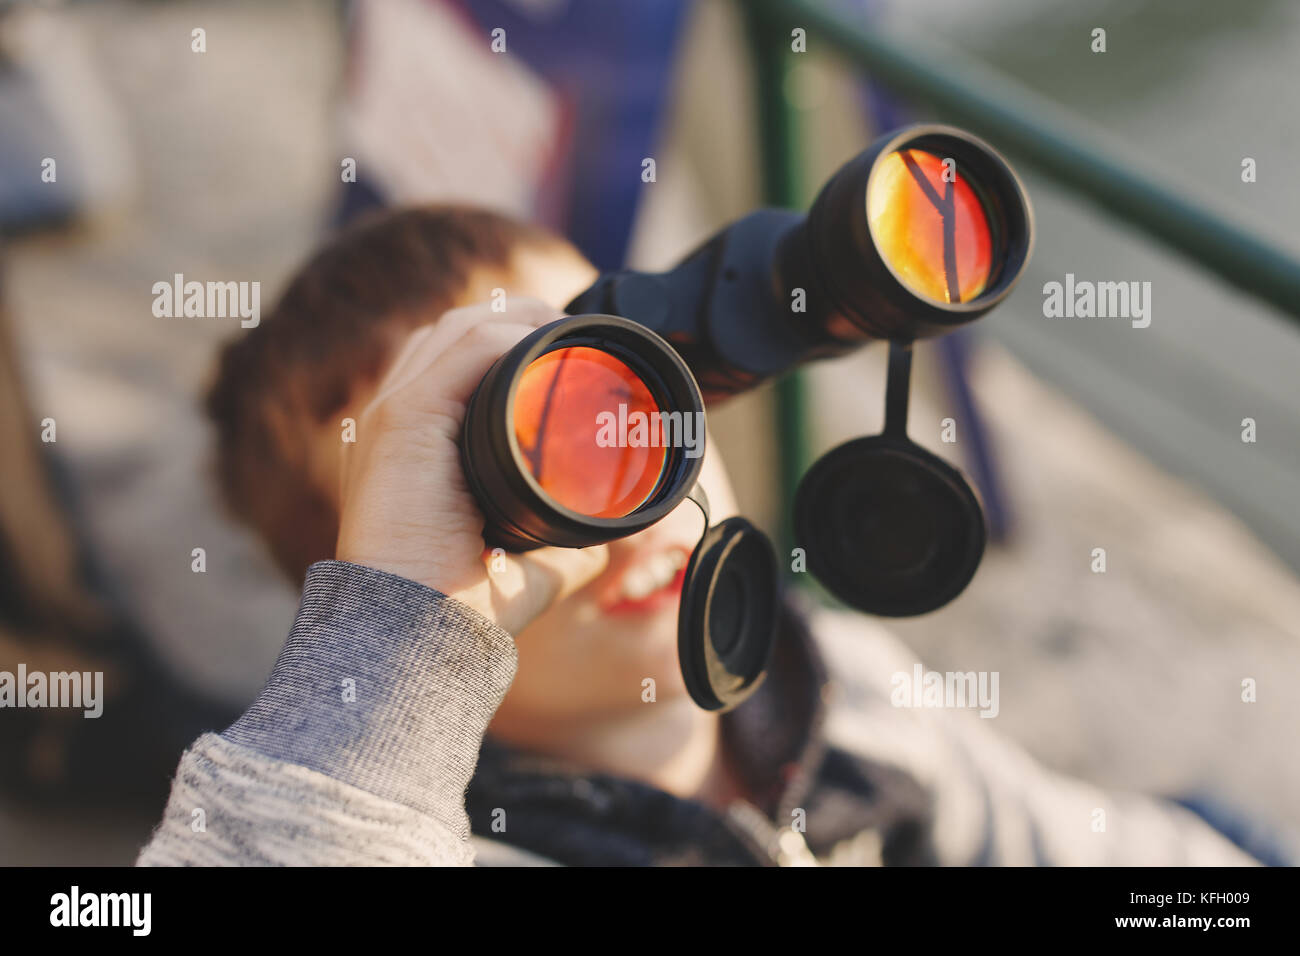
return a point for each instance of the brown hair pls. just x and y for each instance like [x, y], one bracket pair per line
[337, 324]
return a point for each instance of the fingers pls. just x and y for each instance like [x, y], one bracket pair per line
[539, 578]
[454, 374]
[426, 344]
[566, 569]
[402, 361]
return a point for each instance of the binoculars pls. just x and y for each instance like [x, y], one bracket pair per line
[593, 427]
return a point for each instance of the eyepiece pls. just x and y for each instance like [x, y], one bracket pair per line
[590, 429]
[926, 230]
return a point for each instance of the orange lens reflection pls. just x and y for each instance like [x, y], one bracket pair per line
[561, 403]
[934, 234]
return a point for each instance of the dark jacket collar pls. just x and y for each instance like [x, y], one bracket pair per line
[776, 738]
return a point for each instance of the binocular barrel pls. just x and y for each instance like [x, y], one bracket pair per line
[926, 230]
[591, 428]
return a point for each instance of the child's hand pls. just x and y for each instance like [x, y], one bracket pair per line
[405, 506]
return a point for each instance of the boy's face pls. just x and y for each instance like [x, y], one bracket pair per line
[586, 656]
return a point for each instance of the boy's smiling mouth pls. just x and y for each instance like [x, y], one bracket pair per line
[649, 583]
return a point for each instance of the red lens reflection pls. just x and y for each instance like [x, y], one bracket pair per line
[930, 228]
[560, 401]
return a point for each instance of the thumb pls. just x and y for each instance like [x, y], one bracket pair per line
[551, 574]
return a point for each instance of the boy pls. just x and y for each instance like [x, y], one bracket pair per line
[421, 697]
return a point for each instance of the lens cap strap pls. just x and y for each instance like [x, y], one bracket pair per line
[898, 384]
[701, 500]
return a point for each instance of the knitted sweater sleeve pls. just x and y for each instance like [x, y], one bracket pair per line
[360, 747]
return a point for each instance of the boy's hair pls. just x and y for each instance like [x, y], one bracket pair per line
[340, 320]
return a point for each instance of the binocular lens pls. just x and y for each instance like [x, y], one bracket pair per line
[930, 225]
[925, 231]
[568, 405]
[589, 429]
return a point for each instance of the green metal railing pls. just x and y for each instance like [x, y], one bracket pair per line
[1032, 128]
[784, 184]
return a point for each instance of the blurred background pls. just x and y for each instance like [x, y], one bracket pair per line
[225, 164]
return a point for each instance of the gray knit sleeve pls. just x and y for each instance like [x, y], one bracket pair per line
[361, 745]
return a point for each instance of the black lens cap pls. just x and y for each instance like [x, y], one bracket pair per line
[726, 626]
[887, 527]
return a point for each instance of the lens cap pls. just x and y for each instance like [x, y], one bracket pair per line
[889, 528]
[726, 626]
